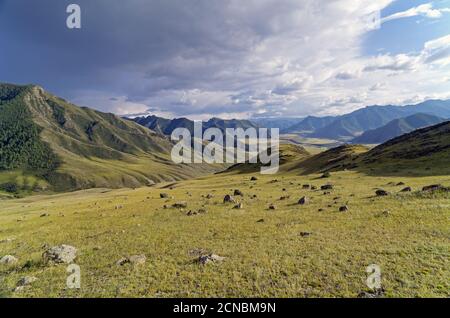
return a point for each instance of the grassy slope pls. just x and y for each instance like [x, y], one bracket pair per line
[411, 244]
[98, 149]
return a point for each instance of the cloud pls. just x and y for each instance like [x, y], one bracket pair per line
[437, 51]
[215, 58]
[425, 10]
[397, 63]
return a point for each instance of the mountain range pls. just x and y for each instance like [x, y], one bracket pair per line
[167, 126]
[49, 142]
[354, 124]
[396, 128]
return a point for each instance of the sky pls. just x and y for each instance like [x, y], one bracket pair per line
[230, 58]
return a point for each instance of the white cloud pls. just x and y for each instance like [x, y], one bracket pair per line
[425, 10]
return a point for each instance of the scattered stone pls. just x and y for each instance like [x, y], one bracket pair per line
[305, 234]
[60, 254]
[8, 260]
[163, 195]
[377, 293]
[434, 187]
[400, 184]
[381, 193]
[229, 199]
[238, 192]
[180, 205]
[239, 206]
[201, 211]
[253, 179]
[284, 197]
[272, 207]
[303, 201]
[138, 259]
[407, 189]
[260, 221]
[343, 208]
[320, 210]
[27, 280]
[327, 187]
[44, 215]
[123, 261]
[210, 258]
[191, 213]
[313, 188]
[118, 207]
[306, 186]
[209, 196]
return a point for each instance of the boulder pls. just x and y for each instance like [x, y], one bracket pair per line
[60, 254]
[180, 205]
[8, 260]
[238, 192]
[407, 189]
[343, 208]
[381, 193]
[434, 187]
[210, 258]
[229, 199]
[27, 280]
[163, 195]
[303, 201]
[327, 187]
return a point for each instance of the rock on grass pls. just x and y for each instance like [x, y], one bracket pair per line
[8, 260]
[210, 258]
[62, 254]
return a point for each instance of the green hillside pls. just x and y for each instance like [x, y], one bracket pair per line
[67, 147]
[422, 152]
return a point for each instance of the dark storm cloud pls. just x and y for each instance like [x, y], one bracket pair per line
[181, 57]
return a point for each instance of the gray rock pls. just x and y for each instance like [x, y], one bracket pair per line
[303, 201]
[138, 259]
[343, 208]
[435, 187]
[60, 254]
[238, 192]
[180, 205]
[27, 280]
[381, 193]
[327, 187]
[229, 199]
[407, 189]
[163, 195]
[210, 258]
[8, 260]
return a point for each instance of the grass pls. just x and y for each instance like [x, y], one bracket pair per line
[263, 259]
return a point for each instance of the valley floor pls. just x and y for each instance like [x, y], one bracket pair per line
[290, 251]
